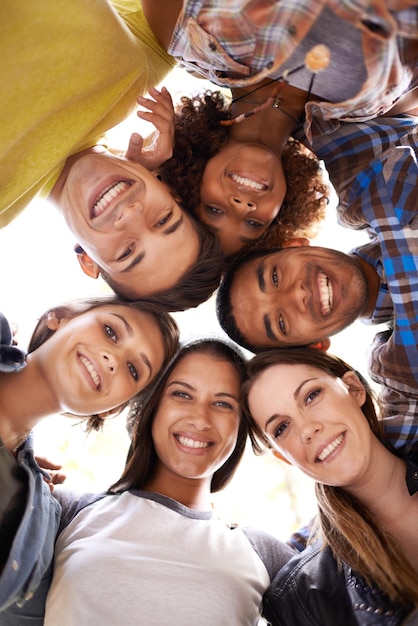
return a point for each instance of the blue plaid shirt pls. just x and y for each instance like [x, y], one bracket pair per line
[235, 43]
[374, 169]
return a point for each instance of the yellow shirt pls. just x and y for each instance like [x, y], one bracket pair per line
[69, 72]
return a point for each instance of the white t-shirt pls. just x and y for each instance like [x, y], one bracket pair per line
[142, 558]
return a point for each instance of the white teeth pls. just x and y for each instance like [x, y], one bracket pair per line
[247, 182]
[325, 293]
[191, 443]
[89, 367]
[107, 196]
[332, 446]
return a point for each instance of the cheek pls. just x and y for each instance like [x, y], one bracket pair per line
[270, 210]
[230, 434]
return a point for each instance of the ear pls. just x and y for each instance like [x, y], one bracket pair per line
[89, 267]
[321, 345]
[296, 242]
[53, 321]
[355, 387]
[279, 456]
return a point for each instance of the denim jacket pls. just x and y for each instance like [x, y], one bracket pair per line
[31, 553]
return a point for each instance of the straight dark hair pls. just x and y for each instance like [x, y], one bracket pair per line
[142, 458]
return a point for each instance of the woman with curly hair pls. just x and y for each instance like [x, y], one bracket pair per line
[252, 184]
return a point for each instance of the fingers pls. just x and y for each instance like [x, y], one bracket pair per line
[134, 150]
[46, 464]
[161, 107]
[56, 479]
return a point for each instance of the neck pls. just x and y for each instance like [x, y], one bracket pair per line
[191, 492]
[162, 17]
[271, 126]
[383, 489]
[25, 398]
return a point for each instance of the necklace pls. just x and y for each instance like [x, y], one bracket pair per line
[316, 60]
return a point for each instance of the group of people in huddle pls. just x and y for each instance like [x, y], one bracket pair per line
[225, 196]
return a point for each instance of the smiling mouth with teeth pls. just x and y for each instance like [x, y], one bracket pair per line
[93, 374]
[325, 293]
[192, 443]
[330, 448]
[106, 196]
[243, 181]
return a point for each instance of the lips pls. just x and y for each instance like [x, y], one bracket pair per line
[94, 376]
[330, 448]
[325, 293]
[106, 196]
[247, 183]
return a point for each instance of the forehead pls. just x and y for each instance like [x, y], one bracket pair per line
[281, 383]
[251, 273]
[202, 366]
[247, 292]
[279, 373]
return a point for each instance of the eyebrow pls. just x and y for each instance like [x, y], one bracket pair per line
[129, 330]
[260, 277]
[295, 397]
[268, 327]
[146, 361]
[262, 285]
[173, 227]
[136, 260]
[228, 395]
[217, 395]
[180, 382]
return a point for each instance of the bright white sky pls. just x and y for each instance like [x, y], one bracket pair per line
[39, 269]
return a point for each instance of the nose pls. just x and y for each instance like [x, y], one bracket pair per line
[127, 214]
[242, 204]
[296, 296]
[309, 430]
[110, 362]
[201, 418]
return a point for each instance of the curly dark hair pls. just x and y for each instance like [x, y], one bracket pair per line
[199, 136]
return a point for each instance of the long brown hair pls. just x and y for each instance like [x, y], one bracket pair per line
[142, 457]
[69, 310]
[348, 527]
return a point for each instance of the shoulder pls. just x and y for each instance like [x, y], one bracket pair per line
[72, 503]
[309, 589]
[273, 552]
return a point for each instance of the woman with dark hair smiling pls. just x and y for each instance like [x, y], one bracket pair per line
[152, 550]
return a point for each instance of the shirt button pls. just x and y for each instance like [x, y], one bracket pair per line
[15, 565]
[292, 30]
[212, 46]
[269, 65]
[415, 475]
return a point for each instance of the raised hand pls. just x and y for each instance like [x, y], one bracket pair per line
[159, 146]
